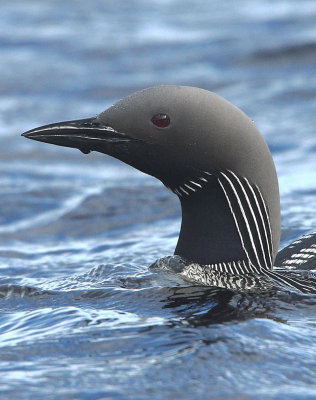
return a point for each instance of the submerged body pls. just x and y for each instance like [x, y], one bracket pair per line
[211, 155]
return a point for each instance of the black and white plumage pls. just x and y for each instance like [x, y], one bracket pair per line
[212, 156]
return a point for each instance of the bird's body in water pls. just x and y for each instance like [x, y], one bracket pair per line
[212, 156]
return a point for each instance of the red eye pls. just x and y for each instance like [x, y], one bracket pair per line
[161, 120]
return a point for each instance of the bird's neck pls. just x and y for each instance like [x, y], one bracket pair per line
[208, 232]
[225, 221]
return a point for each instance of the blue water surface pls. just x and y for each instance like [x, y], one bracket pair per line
[82, 316]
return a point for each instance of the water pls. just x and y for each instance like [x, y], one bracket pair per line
[82, 316]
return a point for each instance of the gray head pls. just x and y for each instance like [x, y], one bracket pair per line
[204, 149]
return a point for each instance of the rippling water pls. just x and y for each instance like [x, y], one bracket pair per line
[82, 316]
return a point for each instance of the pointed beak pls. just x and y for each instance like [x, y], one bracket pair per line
[84, 134]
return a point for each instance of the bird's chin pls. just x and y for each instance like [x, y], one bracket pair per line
[92, 134]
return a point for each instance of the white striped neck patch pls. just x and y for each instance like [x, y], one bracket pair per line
[250, 215]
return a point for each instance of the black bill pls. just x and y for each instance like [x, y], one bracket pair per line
[83, 134]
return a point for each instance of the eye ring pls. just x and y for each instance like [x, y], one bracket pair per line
[161, 120]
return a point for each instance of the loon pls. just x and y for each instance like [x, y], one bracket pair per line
[212, 156]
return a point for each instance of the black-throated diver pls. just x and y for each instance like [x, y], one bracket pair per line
[209, 153]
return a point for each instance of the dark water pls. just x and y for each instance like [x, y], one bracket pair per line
[82, 317]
